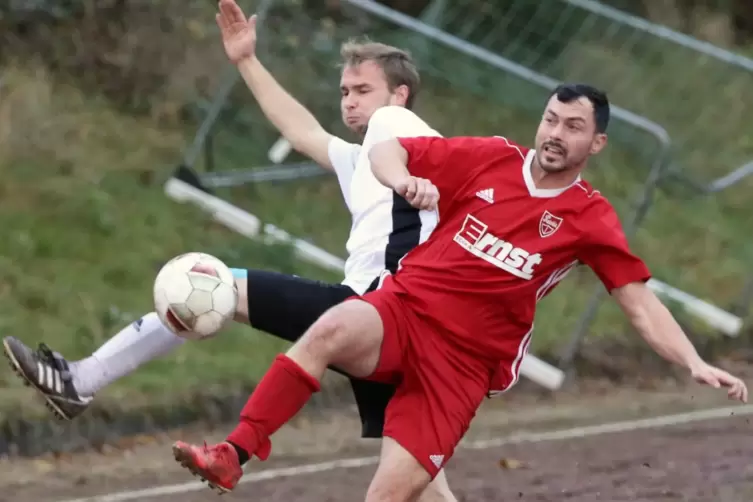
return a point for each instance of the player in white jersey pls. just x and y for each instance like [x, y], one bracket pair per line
[384, 228]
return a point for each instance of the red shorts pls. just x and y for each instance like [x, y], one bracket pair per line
[439, 387]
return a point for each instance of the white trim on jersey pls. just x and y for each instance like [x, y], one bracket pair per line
[551, 281]
[522, 351]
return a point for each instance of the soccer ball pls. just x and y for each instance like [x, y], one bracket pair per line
[195, 295]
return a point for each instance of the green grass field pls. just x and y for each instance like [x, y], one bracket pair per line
[85, 224]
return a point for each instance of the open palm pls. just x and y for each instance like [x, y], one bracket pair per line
[238, 33]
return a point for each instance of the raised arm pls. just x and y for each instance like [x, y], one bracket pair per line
[288, 116]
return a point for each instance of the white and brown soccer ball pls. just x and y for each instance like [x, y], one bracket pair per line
[195, 295]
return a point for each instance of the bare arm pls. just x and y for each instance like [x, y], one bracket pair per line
[653, 321]
[389, 163]
[289, 116]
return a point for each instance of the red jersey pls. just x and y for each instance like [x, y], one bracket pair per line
[502, 244]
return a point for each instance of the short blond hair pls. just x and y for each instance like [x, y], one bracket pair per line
[397, 64]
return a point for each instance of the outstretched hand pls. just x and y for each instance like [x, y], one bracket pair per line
[238, 33]
[419, 192]
[706, 374]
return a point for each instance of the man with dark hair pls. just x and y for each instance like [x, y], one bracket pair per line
[568, 93]
[513, 221]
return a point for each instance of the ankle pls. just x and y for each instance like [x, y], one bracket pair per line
[243, 455]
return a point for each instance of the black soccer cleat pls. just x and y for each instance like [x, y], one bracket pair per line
[48, 372]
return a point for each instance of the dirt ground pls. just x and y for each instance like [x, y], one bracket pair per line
[705, 461]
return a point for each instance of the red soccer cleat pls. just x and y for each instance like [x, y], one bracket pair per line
[217, 464]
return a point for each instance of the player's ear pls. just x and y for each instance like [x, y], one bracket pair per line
[598, 143]
[400, 95]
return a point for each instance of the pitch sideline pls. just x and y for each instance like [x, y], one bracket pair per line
[350, 463]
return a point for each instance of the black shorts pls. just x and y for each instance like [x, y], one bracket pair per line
[286, 306]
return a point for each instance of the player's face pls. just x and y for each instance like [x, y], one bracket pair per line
[364, 90]
[567, 135]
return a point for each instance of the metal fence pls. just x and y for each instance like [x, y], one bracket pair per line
[469, 89]
[692, 88]
[709, 79]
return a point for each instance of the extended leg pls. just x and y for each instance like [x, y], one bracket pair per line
[68, 387]
[349, 335]
[284, 305]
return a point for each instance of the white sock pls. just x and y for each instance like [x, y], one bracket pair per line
[133, 346]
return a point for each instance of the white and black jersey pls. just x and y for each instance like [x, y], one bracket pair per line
[384, 226]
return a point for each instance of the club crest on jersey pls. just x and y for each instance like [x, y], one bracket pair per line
[548, 224]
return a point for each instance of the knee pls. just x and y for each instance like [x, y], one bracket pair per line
[328, 335]
[347, 336]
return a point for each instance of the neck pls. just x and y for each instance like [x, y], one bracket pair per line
[546, 180]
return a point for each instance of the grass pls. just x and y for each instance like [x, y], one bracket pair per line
[85, 224]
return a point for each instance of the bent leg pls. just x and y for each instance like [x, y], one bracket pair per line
[286, 306]
[349, 335]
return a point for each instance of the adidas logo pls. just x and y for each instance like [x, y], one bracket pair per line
[437, 460]
[487, 195]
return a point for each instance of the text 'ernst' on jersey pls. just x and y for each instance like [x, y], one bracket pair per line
[474, 237]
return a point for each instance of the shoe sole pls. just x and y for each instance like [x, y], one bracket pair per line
[16, 367]
[185, 459]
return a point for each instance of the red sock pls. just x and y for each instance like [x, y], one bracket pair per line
[282, 392]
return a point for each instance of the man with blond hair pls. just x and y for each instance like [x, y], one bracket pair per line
[385, 227]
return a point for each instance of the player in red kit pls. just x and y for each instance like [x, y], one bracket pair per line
[512, 222]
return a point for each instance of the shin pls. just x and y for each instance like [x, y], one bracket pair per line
[349, 335]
